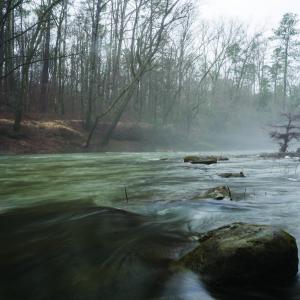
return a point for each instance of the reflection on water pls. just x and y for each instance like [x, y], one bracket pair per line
[80, 251]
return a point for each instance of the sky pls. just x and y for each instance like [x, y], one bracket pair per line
[262, 14]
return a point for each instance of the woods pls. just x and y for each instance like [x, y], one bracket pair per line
[145, 62]
[149, 149]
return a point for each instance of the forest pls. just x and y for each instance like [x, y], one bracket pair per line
[149, 151]
[153, 65]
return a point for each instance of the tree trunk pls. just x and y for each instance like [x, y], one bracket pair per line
[285, 71]
[93, 67]
[45, 71]
[21, 99]
[107, 136]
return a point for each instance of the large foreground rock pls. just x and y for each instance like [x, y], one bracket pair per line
[243, 253]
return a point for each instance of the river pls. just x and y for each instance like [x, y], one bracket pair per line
[163, 188]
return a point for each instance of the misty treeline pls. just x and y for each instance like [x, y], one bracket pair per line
[149, 62]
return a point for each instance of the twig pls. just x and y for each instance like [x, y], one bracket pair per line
[229, 192]
[126, 195]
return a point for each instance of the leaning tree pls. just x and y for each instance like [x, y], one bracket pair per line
[286, 131]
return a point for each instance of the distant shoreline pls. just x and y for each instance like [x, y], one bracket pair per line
[55, 136]
[58, 136]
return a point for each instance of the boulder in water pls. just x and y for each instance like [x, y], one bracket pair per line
[211, 159]
[204, 161]
[200, 160]
[244, 253]
[229, 175]
[217, 193]
[190, 158]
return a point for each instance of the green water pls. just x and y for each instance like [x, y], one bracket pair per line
[156, 183]
[160, 185]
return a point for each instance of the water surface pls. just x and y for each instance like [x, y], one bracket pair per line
[163, 188]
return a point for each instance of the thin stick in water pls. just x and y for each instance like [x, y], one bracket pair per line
[229, 192]
[126, 195]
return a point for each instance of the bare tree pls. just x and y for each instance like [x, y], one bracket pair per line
[100, 5]
[287, 132]
[151, 20]
[43, 15]
[45, 68]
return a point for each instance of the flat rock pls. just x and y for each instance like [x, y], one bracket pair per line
[244, 253]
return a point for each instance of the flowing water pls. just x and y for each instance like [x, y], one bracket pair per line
[159, 186]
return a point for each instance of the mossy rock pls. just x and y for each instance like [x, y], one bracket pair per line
[244, 253]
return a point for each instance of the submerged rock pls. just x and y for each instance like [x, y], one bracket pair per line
[217, 193]
[244, 253]
[77, 250]
[229, 175]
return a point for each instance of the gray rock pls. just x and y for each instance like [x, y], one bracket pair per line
[244, 253]
[217, 193]
[229, 175]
